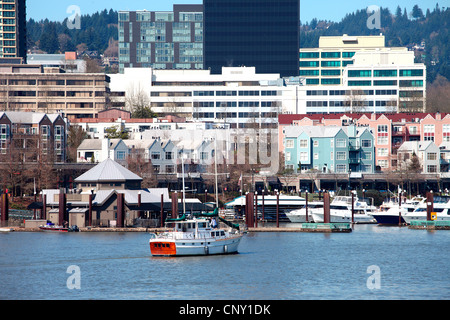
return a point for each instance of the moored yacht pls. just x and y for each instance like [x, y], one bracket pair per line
[299, 215]
[196, 236]
[441, 210]
[341, 211]
[390, 216]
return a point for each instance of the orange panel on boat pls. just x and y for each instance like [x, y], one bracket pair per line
[163, 248]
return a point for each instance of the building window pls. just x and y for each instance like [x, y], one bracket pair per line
[382, 140]
[431, 168]
[120, 155]
[366, 143]
[428, 132]
[303, 143]
[316, 156]
[288, 156]
[341, 155]
[316, 143]
[341, 168]
[289, 143]
[341, 143]
[303, 156]
[382, 152]
[432, 156]
[383, 163]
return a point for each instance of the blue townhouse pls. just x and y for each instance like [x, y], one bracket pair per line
[339, 149]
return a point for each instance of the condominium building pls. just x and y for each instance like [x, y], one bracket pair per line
[364, 63]
[28, 137]
[13, 33]
[162, 40]
[38, 89]
[339, 149]
[390, 131]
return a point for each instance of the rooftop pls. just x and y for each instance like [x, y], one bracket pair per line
[108, 170]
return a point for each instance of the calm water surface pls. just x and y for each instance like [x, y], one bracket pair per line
[413, 264]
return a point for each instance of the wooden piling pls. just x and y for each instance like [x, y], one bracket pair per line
[326, 207]
[162, 210]
[278, 209]
[62, 207]
[5, 209]
[90, 209]
[430, 208]
[120, 210]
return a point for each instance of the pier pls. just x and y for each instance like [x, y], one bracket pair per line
[429, 225]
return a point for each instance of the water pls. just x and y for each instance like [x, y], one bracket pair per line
[413, 264]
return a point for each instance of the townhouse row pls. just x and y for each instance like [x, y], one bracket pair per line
[395, 138]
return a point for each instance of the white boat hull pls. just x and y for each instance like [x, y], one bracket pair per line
[414, 216]
[357, 218]
[194, 247]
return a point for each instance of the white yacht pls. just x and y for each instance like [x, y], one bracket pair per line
[196, 237]
[389, 211]
[441, 210]
[299, 215]
[341, 211]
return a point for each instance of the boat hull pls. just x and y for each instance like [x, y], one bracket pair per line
[318, 218]
[388, 219]
[416, 217]
[196, 247]
[54, 229]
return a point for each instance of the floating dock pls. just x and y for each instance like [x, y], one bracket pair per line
[429, 225]
[308, 227]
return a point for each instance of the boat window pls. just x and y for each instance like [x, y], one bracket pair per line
[222, 233]
[202, 225]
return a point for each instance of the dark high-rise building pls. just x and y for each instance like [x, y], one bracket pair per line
[253, 33]
[13, 32]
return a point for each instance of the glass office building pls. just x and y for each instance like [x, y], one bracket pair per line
[13, 35]
[252, 33]
[162, 40]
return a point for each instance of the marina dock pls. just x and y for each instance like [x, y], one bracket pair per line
[429, 225]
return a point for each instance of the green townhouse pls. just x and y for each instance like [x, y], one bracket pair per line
[327, 149]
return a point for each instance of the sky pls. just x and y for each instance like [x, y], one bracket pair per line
[333, 10]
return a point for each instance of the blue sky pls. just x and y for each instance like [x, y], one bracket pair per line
[333, 10]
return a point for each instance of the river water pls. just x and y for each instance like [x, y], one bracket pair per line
[372, 262]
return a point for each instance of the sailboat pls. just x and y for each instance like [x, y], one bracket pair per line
[197, 235]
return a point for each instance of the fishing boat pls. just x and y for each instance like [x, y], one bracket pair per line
[200, 235]
[440, 211]
[51, 227]
[299, 215]
[391, 212]
[341, 211]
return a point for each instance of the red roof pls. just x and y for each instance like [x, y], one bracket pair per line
[287, 119]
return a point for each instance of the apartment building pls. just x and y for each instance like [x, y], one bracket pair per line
[13, 33]
[363, 64]
[33, 88]
[161, 40]
[28, 137]
[390, 131]
[329, 149]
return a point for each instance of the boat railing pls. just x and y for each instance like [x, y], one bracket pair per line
[188, 236]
